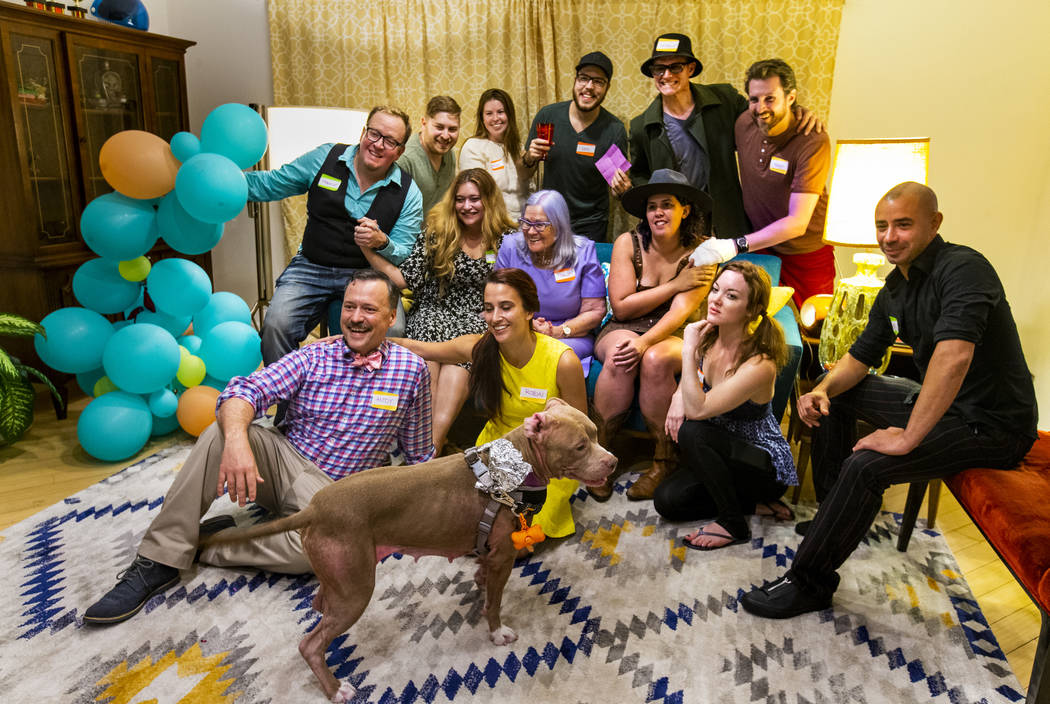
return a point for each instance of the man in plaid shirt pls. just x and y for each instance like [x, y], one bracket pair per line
[349, 400]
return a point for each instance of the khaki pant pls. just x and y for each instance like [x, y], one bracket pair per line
[290, 481]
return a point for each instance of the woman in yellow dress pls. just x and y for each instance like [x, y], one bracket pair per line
[514, 371]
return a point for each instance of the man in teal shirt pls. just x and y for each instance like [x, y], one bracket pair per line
[357, 199]
[428, 156]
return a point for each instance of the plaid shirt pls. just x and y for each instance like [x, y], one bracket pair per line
[343, 418]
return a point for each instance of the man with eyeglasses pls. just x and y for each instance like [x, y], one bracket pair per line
[689, 127]
[357, 199]
[583, 132]
[429, 158]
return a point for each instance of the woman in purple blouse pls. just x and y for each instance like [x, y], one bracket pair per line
[566, 271]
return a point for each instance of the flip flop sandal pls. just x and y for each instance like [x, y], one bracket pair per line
[771, 506]
[708, 548]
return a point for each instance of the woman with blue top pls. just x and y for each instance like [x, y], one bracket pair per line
[565, 269]
[735, 460]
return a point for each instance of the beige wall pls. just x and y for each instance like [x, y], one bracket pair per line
[971, 76]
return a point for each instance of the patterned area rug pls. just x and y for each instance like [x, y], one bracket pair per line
[620, 612]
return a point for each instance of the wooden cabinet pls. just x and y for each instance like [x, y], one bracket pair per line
[66, 85]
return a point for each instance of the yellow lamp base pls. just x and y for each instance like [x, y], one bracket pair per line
[848, 312]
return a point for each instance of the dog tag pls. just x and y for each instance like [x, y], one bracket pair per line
[531, 394]
[778, 165]
[384, 400]
[563, 275]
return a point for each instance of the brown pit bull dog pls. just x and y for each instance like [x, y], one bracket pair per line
[426, 509]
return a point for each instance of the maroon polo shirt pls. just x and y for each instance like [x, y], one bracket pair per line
[772, 168]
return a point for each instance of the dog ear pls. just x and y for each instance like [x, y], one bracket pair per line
[535, 425]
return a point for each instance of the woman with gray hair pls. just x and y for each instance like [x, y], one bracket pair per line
[565, 269]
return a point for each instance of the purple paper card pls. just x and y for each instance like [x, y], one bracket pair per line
[610, 161]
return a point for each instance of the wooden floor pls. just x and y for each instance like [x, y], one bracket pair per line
[47, 465]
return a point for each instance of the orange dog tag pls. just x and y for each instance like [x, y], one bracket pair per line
[528, 536]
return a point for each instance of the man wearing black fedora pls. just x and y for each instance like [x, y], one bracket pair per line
[583, 132]
[689, 127]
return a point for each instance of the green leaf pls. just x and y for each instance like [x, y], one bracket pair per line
[16, 325]
[42, 377]
[8, 370]
[16, 410]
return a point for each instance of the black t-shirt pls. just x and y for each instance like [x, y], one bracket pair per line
[953, 293]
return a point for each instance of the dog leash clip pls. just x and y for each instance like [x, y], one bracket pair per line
[528, 536]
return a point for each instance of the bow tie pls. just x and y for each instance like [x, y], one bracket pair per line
[371, 361]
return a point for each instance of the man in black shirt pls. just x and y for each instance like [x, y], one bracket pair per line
[975, 407]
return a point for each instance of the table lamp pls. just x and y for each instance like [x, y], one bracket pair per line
[864, 170]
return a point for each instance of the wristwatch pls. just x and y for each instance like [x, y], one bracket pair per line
[741, 244]
[566, 331]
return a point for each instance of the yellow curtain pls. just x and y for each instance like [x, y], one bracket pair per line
[360, 53]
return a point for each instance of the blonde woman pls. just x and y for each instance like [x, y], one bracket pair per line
[496, 148]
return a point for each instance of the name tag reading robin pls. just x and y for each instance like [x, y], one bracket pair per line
[384, 400]
[496, 165]
[531, 394]
[329, 183]
[563, 275]
[778, 165]
[584, 149]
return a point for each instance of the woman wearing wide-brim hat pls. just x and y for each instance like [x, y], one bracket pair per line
[654, 292]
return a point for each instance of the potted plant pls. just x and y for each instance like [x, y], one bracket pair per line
[16, 389]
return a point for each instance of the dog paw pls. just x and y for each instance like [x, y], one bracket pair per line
[503, 636]
[345, 693]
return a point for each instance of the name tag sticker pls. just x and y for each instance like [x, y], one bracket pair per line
[895, 325]
[329, 183]
[584, 149]
[563, 275]
[496, 164]
[778, 165]
[490, 257]
[530, 394]
[700, 375]
[667, 44]
[384, 400]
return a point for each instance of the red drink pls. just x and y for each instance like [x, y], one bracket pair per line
[545, 130]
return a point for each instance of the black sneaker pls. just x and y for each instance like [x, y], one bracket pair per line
[136, 585]
[782, 599]
[802, 527]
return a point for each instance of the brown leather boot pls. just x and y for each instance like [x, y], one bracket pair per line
[665, 462]
[607, 430]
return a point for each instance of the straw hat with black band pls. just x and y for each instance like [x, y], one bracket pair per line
[665, 181]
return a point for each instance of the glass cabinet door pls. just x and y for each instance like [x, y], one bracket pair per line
[108, 90]
[167, 97]
[42, 116]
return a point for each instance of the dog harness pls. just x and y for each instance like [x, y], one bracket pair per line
[505, 480]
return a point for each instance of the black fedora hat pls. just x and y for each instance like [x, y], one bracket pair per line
[665, 181]
[672, 45]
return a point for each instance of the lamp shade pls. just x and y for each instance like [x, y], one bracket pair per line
[864, 170]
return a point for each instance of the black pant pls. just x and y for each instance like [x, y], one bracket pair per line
[850, 484]
[720, 475]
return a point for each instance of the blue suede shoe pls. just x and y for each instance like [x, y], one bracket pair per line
[136, 585]
[782, 598]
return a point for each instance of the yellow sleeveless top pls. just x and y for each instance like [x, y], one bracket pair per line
[526, 392]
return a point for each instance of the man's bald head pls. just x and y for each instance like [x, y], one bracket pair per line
[925, 198]
[906, 221]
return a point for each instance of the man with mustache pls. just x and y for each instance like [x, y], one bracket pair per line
[357, 198]
[349, 400]
[428, 156]
[583, 132]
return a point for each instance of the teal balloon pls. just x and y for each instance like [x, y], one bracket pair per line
[163, 426]
[178, 287]
[211, 381]
[98, 285]
[231, 349]
[185, 145]
[76, 339]
[163, 403]
[175, 324]
[185, 233]
[192, 343]
[87, 380]
[119, 228]
[115, 426]
[141, 358]
[211, 188]
[235, 131]
[223, 307]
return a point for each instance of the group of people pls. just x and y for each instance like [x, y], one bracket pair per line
[509, 304]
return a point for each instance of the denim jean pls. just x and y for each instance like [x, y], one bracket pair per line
[300, 301]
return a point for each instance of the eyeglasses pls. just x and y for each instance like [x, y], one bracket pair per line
[660, 69]
[583, 80]
[530, 225]
[373, 136]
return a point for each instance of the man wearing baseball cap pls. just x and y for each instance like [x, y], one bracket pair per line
[689, 127]
[583, 132]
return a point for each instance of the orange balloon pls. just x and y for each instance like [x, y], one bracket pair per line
[138, 164]
[196, 409]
